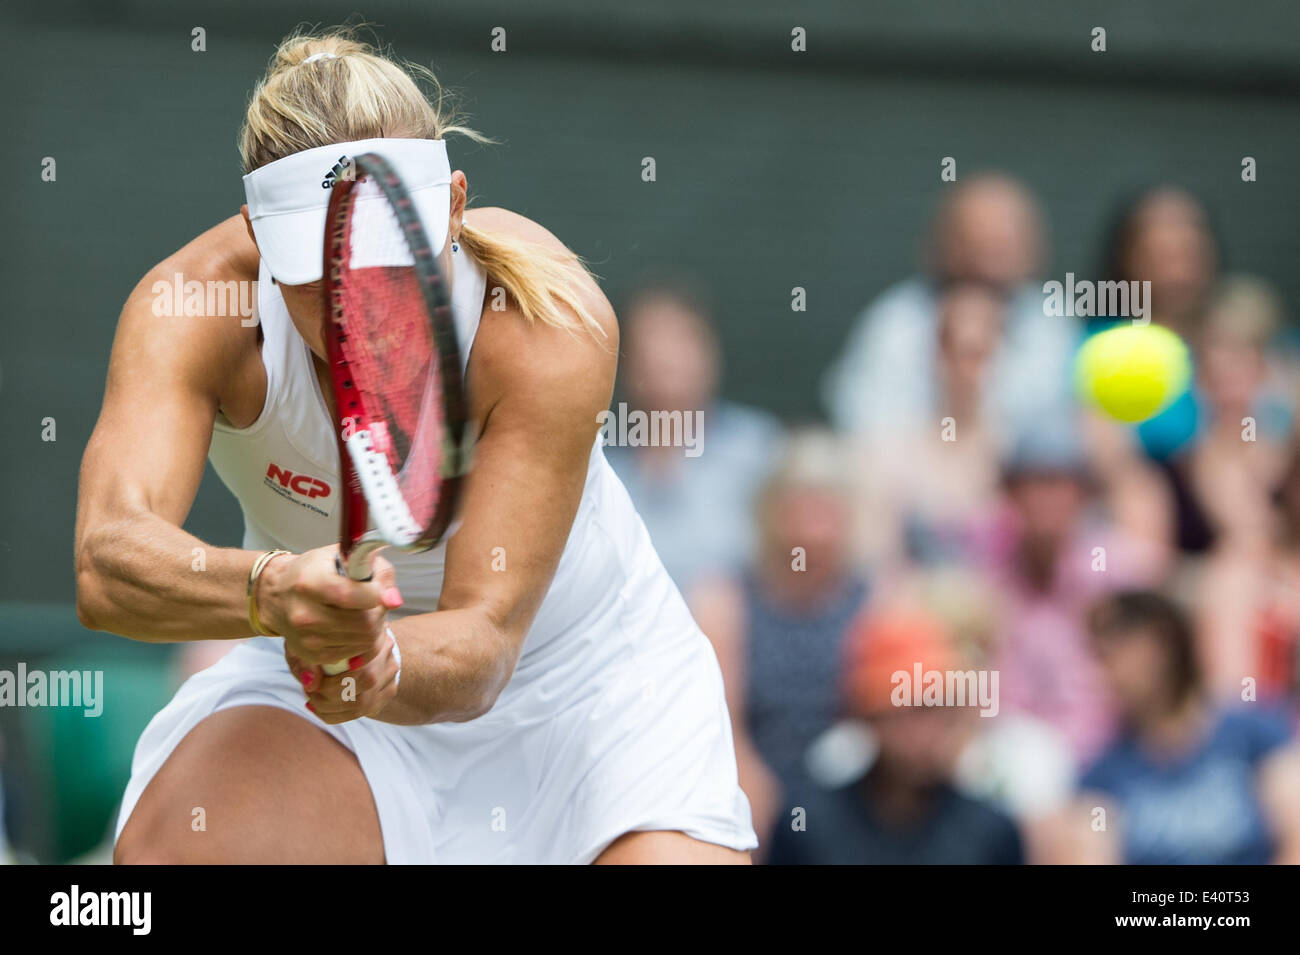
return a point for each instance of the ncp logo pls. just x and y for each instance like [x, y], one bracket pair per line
[302, 484]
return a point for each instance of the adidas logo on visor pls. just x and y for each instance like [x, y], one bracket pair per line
[343, 169]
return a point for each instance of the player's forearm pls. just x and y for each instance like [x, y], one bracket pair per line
[455, 663]
[149, 580]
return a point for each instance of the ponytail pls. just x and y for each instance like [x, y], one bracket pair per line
[535, 277]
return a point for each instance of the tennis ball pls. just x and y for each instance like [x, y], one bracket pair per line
[1132, 372]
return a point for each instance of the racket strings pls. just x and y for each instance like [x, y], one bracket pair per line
[392, 355]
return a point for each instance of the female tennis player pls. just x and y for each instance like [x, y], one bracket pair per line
[532, 691]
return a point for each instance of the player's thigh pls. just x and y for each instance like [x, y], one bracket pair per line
[668, 847]
[268, 786]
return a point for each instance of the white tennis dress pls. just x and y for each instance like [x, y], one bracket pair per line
[614, 720]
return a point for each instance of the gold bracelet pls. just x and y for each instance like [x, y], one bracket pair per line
[259, 565]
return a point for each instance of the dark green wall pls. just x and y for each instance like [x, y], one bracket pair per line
[775, 169]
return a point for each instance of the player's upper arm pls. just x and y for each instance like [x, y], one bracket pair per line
[166, 378]
[537, 392]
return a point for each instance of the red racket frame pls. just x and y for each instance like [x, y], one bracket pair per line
[349, 401]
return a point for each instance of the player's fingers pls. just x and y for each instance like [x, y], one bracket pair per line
[381, 646]
[346, 626]
[343, 656]
[360, 677]
[321, 583]
[358, 693]
[385, 577]
[322, 636]
[343, 593]
[334, 658]
[304, 673]
[307, 614]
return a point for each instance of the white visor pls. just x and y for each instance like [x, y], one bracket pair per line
[287, 199]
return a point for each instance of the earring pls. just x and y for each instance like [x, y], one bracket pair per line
[455, 244]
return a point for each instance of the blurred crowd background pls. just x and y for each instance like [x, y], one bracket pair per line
[1136, 589]
[900, 474]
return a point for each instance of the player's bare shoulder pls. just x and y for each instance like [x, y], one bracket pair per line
[194, 316]
[514, 356]
[222, 254]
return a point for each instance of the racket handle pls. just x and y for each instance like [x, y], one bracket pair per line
[360, 564]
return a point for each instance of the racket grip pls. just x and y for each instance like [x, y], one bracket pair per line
[359, 566]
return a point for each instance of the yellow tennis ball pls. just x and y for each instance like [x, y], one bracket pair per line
[1133, 372]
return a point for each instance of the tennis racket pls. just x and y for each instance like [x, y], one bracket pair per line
[395, 369]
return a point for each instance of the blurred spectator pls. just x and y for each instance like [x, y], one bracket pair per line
[1015, 760]
[1050, 553]
[886, 381]
[778, 626]
[1164, 235]
[925, 492]
[1223, 477]
[904, 809]
[1187, 781]
[698, 509]
[1248, 603]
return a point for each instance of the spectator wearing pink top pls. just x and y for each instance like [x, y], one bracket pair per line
[1051, 554]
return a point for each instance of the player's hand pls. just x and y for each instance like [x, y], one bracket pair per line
[362, 691]
[324, 616]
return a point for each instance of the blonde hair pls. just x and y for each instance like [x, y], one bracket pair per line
[810, 457]
[360, 92]
[1244, 310]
